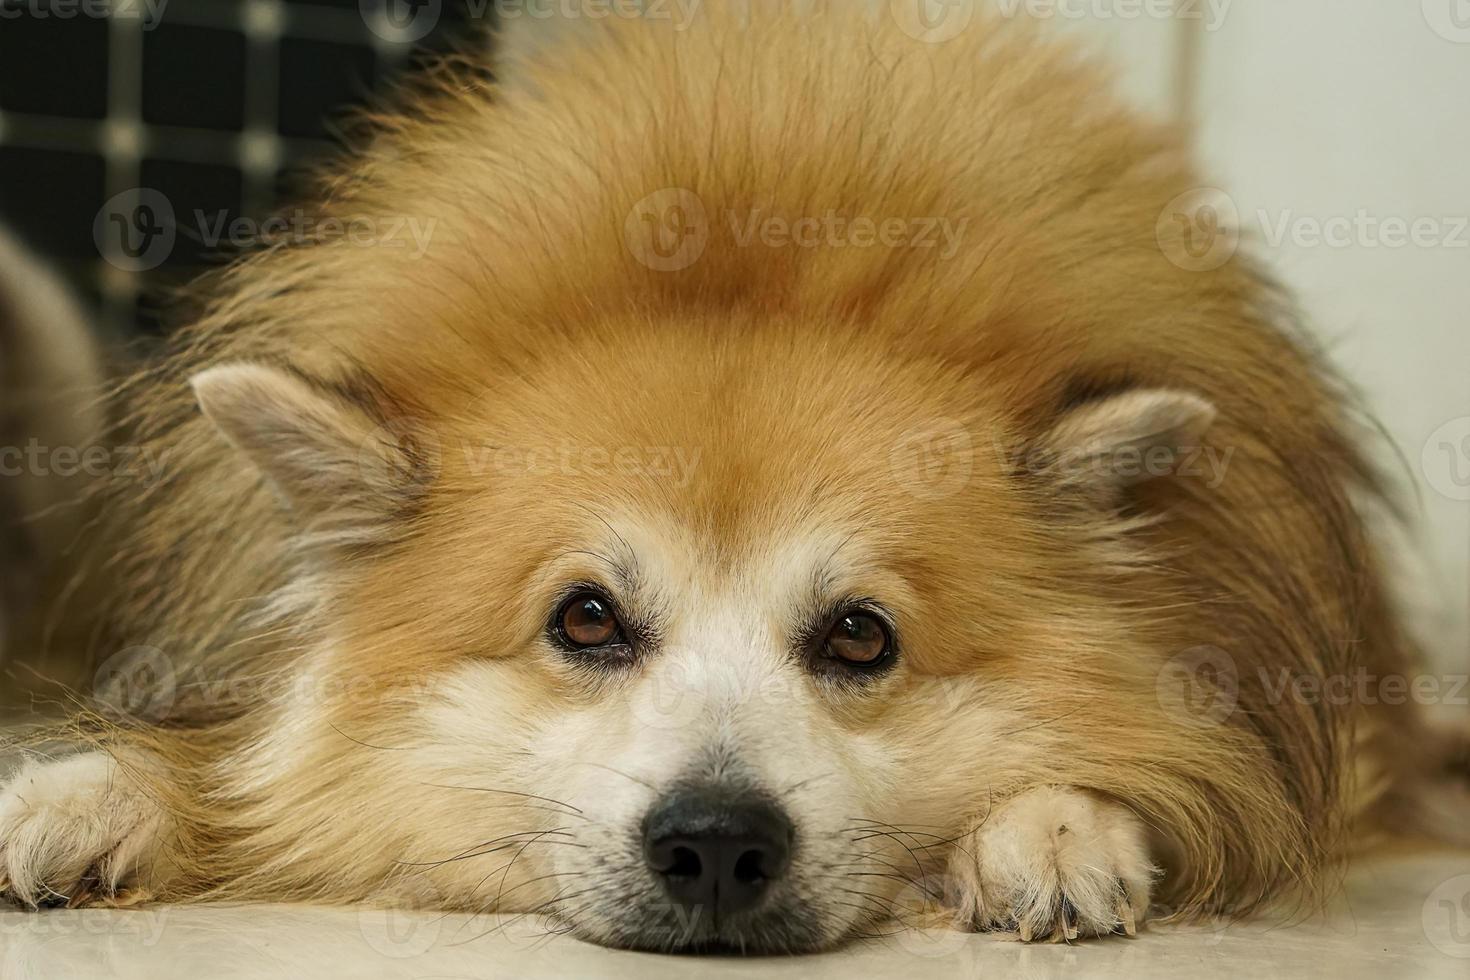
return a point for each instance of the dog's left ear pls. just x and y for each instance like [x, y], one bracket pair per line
[1125, 439]
[330, 459]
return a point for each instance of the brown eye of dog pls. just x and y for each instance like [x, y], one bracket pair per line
[859, 639]
[587, 620]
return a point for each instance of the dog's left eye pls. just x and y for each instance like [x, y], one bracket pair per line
[859, 639]
[587, 620]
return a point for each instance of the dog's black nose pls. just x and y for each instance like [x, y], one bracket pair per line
[716, 852]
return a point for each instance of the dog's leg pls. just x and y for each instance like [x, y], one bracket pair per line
[1054, 864]
[78, 831]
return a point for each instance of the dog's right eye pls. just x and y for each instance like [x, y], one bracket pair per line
[586, 621]
[858, 640]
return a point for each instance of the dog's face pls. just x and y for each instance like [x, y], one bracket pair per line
[711, 726]
[696, 641]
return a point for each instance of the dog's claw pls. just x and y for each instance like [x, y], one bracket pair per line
[1125, 916]
[82, 897]
[86, 889]
[1065, 924]
[1068, 921]
[129, 897]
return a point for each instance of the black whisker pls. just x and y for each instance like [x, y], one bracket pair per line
[918, 864]
[505, 792]
[872, 858]
[880, 823]
[479, 850]
[535, 911]
[505, 876]
[901, 830]
[805, 782]
[369, 745]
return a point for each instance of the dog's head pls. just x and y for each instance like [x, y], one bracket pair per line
[702, 635]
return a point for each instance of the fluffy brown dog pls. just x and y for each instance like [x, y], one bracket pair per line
[801, 480]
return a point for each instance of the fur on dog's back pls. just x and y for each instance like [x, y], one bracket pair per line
[1058, 292]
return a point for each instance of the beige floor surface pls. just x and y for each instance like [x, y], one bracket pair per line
[1401, 916]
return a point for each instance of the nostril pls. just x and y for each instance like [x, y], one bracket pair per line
[685, 863]
[750, 867]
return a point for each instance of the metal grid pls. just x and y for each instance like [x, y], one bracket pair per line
[259, 151]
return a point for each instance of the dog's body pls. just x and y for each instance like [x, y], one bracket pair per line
[1097, 506]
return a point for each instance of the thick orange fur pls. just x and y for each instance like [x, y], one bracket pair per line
[794, 376]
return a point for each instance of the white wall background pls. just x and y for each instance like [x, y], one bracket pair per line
[1340, 131]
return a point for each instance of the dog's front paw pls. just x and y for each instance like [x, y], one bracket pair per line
[75, 832]
[1054, 864]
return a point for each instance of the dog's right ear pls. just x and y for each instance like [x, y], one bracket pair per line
[329, 458]
[1104, 446]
